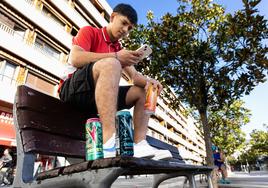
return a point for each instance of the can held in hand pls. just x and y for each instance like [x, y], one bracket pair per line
[151, 99]
[124, 134]
[94, 140]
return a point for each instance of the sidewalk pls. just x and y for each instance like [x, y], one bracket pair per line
[256, 179]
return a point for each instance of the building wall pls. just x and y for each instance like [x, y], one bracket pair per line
[35, 38]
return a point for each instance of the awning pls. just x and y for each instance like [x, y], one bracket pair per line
[7, 134]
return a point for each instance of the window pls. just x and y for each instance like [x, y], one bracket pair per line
[40, 44]
[40, 84]
[7, 72]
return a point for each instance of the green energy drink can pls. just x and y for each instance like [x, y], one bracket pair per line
[94, 142]
[124, 134]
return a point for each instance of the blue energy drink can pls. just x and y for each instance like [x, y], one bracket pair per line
[94, 141]
[124, 134]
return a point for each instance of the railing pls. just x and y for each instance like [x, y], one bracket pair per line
[32, 4]
[7, 29]
[20, 37]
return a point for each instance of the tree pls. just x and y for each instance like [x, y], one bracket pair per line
[226, 126]
[208, 58]
[257, 147]
[259, 141]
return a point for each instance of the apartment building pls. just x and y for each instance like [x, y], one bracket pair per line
[35, 39]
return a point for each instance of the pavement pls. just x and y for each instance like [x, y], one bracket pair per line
[256, 179]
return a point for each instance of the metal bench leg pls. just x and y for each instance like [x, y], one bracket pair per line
[104, 178]
[25, 161]
[159, 178]
[191, 181]
[210, 185]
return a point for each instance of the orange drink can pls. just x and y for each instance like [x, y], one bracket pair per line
[151, 99]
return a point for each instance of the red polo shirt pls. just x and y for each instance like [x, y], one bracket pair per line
[91, 39]
[95, 40]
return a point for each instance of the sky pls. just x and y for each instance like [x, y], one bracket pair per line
[257, 101]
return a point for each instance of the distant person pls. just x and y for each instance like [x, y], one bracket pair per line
[6, 167]
[248, 168]
[6, 159]
[219, 161]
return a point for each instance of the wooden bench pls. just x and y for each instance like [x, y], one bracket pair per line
[45, 125]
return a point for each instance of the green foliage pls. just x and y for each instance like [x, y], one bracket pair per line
[257, 147]
[226, 126]
[208, 58]
[232, 160]
[259, 141]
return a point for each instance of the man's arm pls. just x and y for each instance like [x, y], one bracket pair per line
[135, 77]
[222, 156]
[141, 80]
[79, 57]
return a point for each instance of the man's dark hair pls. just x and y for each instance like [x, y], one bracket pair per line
[128, 11]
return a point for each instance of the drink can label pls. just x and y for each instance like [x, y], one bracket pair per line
[151, 100]
[94, 140]
[124, 134]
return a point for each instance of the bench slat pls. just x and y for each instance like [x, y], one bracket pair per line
[67, 125]
[33, 99]
[134, 165]
[83, 166]
[46, 143]
[162, 145]
[50, 174]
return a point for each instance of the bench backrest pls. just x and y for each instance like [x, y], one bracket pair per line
[49, 126]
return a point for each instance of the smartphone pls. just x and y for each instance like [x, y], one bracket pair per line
[146, 51]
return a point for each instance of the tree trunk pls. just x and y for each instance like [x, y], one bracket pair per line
[209, 158]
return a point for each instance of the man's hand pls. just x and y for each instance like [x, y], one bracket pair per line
[156, 84]
[128, 58]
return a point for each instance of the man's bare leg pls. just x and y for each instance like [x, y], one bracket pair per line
[136, 96]
[107, 74]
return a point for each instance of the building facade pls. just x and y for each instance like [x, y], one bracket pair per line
[35, 39]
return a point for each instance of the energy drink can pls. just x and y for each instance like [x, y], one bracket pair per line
[94, 140]
[151, 99]
[124, 134]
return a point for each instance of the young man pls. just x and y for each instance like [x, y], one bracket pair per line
[92, 81]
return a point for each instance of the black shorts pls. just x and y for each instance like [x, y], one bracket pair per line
[79, 91]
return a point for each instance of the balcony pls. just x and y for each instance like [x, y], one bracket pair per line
[13, 41]
[70, 13]
[106, 6]
[153, 124]
[179, 119]
[171, 122]
[178, 127]
[54, 29]
[93, 11]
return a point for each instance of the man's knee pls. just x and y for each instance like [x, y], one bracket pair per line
[136, 93]
[107, 67]
[108, 64]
